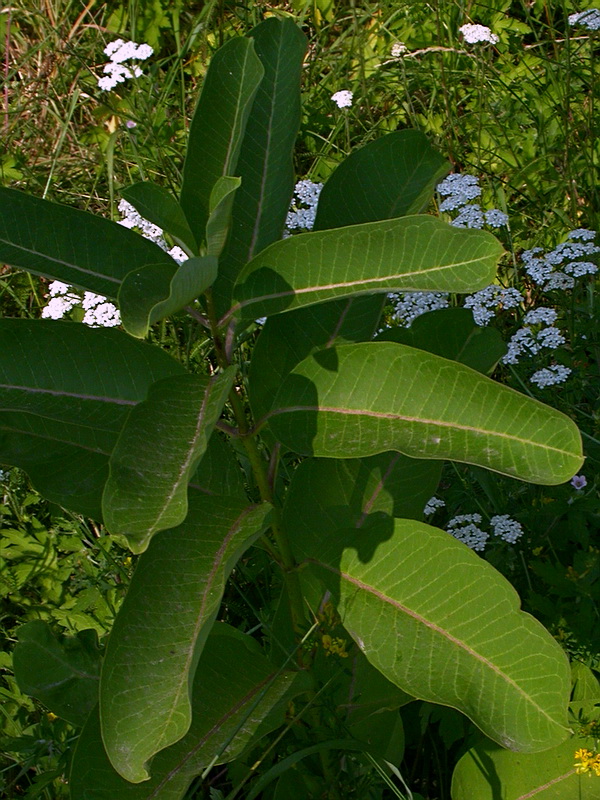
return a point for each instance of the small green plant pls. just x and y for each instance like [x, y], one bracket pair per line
[300, 435]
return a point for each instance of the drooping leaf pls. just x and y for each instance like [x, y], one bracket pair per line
[487, 772]
[219, 220]
[218, 126]
[442, 624]
[70, 245]
[359, 399]
[65, 391]
[63, 674]
[162, 626]
[287, 339]
[158, 205]
[451, 333]
[401, 167]
[237, 697]
[418, 253]
[157, 452]
[219, 471]
[265, 163]
[154, 291]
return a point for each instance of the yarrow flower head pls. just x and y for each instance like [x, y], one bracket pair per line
[579, 482]
[398, 49]
[589, 19]
[558, 269]
[458, 191]
[118, 52]
[478, 33]
[410, 305]
[464, 527]
[550, 376]
[432, 505]
[303, 208]
[506, 528]
[486, 302]
[343, 99]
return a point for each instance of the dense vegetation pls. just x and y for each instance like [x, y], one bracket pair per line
[436, 187]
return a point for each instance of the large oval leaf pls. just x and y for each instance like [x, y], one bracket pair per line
[238, 696]
[401, 166]
[218, 126]
[158, 449]
[65, 391]
[360, 399]
[265, 163]
[443, 625]
[63, 243]
[162, 626]
[410, 254]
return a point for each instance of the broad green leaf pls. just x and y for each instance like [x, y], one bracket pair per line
[230, 85]
[162, 626]
[219, 471]
[489, 772]
[265, 162]
[410, 254]
[63, 674]
[65, 391]
[585, 700]
[219, 221]
[69, 245]
[401, 166]
[154, 291]
[237, 697]
[287, 339]
[451, 333]
[359, 399]
[157, 452]
[443, 625]
[158, 205]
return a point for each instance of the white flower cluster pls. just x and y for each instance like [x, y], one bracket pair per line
[410, 305]
[303, 208]
[115, 71]
[466, 528]
[458, 191]
[506, 528]
[399, 49]
[486, 302]
[550, 376]
[542, 267]
[99, 312]
[343, 99]
[589, 19]
[478, 33]
[432, 505]
[526, 341]
[131, 219]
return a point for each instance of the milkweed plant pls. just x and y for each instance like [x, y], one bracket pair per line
[308, 431]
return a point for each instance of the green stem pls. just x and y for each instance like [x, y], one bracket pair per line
[260, 470]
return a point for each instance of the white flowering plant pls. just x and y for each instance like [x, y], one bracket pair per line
[318, 449]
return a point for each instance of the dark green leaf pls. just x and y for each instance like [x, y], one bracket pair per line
[451, 333]
[66, 391]
[391, 177]
[63, 674]
[360, 399]
[158, 205]
[157, 452]
[219, 471]
[237, 697]
[220, 207]
[69, 245]
[218, 126]
[155, 291]
[265, 163]
[162, 627]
